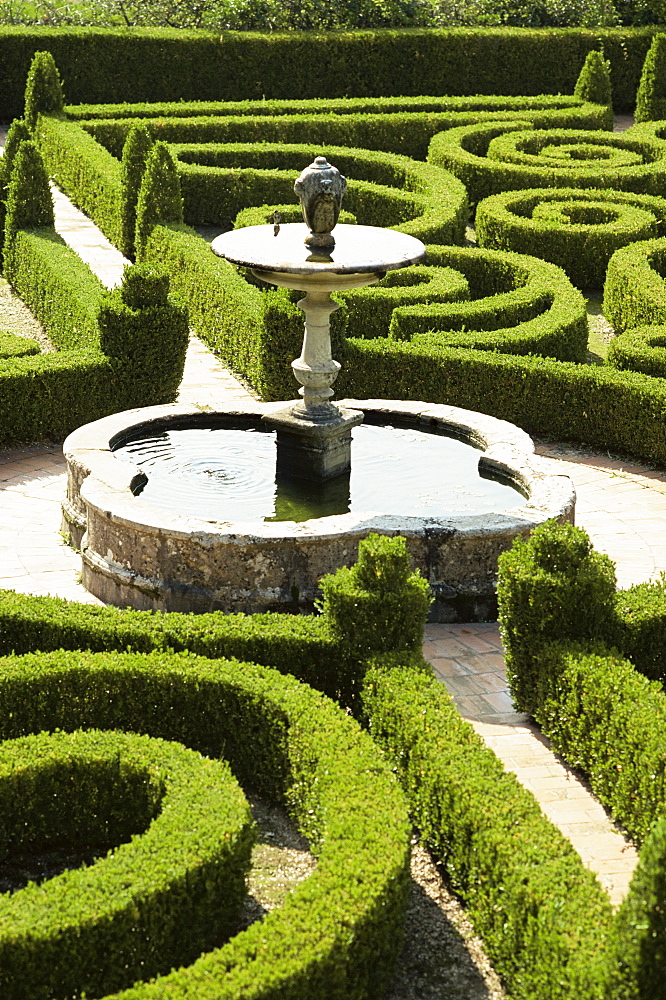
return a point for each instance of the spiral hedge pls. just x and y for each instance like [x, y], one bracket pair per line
[491, 158]
[634, 293]
[336, 934]
[173, 891]
[577, 229]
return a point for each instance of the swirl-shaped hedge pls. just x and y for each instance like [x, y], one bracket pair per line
[577, 229]
[219, 180]
[635, 292]
[512, 156]
[336, 934]
[153, 903]
[497, 301]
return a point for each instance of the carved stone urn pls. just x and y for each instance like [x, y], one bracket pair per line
[320, 189]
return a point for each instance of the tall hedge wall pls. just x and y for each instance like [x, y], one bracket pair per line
[99, 65]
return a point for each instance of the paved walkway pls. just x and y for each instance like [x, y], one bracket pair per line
[623, 507]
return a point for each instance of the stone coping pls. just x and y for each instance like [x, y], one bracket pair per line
[162, 560]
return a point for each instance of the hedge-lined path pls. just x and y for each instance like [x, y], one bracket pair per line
[623, 508]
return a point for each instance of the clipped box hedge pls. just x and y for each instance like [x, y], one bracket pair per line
[173, 891]
[219, 180]
[336, 933]
[110, 65]
[634, 293]
[566, 630]
[496, 157]
[577, 229]
[542, 916]
[394, 125]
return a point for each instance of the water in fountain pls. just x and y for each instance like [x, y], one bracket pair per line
[228, 474]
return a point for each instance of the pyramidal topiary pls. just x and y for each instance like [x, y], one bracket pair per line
[594, 81]
[136, 151]
[29, 202]
[651, 94]
[159, 198]
[43, 91]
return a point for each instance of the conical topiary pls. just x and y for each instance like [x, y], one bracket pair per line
[159, 196]
[651, 94]
[637, 943]
[43, 91]
[136, 150]
[18, 133]
[29, 202]
[594, 82]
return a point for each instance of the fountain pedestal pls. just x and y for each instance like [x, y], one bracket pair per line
[314, 436]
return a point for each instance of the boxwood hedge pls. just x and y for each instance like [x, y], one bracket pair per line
[336, 934]
[577, 229]
[496, 157]
[173, 891]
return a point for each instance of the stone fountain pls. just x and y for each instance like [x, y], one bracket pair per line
[142, 550]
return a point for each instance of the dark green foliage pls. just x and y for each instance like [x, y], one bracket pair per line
[637, 955]
[511, 303]
[17, 133]
[29, 204]
[145, 329]
[651, 93]
[607, 720]
[392, 125]
[577, 229]
[492, 158]
[159, 198]
[133, 163]
[377, 605]
[640, 630]
[43, 91]
[542, 916]
[551, 586]
[314, 649]
[12, 346]
[144, 285]
[84, 170]
[642, 349]
[594, 83]
[218, 180]
[166, 65]
[634, 292]
[100, 928]
[336, 934]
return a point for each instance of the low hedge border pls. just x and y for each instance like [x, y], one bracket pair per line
[560, 614]
[84, 170]
[336, 934]
[151, 904]
[634, 293]
[327, 651]
[218, 180]
[13, 346]
[543, 917]
[577, 229]
[397, 129]
[117, 351]
[493, 158]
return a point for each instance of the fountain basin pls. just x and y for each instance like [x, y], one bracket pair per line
[138, 555]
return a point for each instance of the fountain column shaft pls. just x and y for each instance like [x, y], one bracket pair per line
[315, 369]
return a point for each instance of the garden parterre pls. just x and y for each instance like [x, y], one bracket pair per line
[562, 948]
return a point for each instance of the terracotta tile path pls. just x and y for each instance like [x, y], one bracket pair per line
[623, 507]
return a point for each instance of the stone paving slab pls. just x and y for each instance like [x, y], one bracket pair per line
[623, 507]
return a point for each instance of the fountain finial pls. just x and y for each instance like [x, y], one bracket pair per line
[320, 189]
